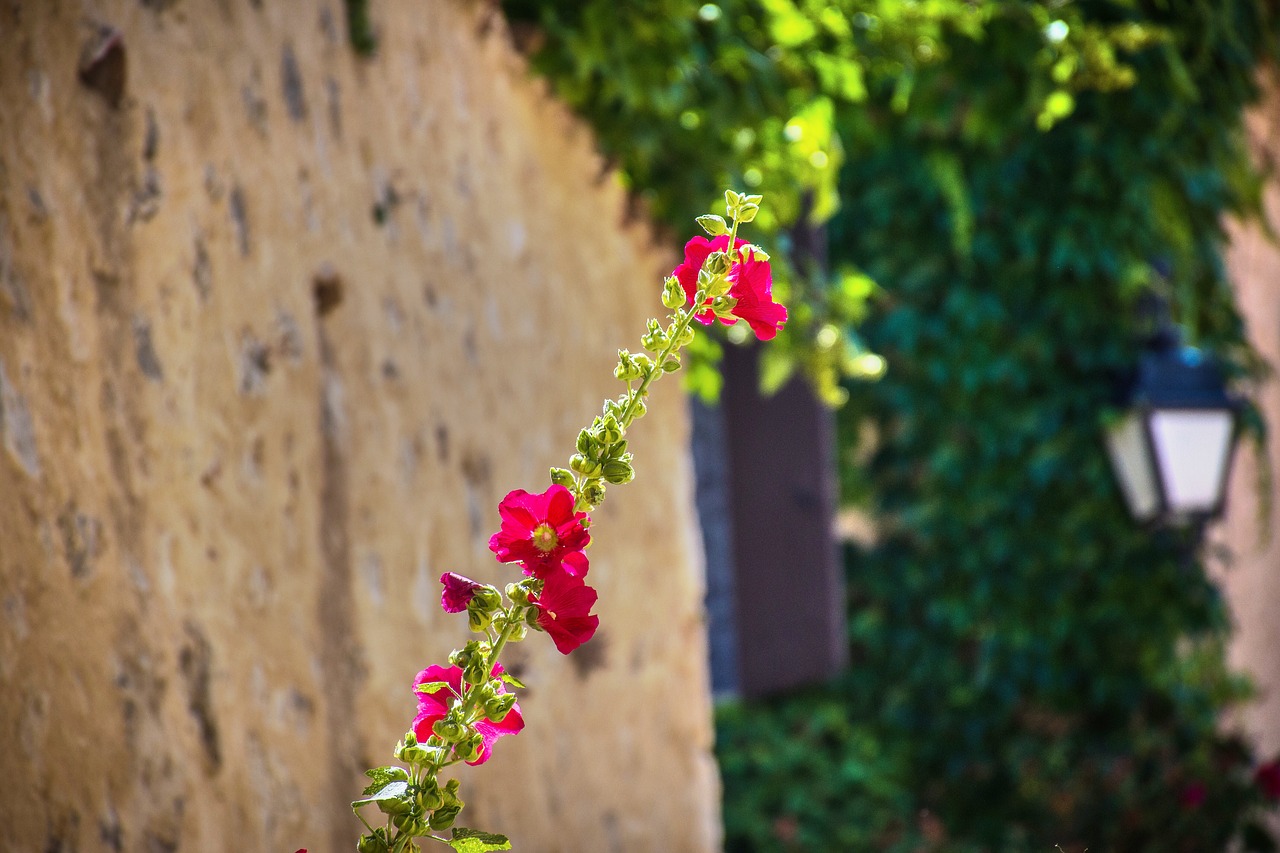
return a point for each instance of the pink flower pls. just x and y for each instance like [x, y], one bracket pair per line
[564, 608]
[695, 255]
[434, 706]
[540, 531]
[458, 592]
[751, 284]
[1268, 779]
[753, 288]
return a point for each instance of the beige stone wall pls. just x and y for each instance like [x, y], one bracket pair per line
[1251, 529]
[224, 502]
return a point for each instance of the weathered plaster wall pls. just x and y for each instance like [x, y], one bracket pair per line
[1251, 528]
[277, 331]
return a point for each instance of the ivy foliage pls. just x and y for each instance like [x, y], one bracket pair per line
[1030, 668]
[687, 98]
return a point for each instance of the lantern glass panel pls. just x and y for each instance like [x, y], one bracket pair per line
[1131, 459]
[1192, 448]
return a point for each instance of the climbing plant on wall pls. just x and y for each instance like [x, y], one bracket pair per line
[1030, 669]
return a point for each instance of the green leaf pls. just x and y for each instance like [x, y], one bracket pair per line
[390, 791]
[474, 841]
[508, 678]
[431, 686]
[713, 225]
[383, 776]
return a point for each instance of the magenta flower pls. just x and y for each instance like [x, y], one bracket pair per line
[1268, 779]
[434, 706]
[695, 255]
[540, 531]
[753, 288]
[751, 284]
[564, 610]
[458, 592]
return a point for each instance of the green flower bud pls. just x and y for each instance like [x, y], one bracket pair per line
[518, 593]
[585, 444]
[671, 365]
[618, 450]
[409, 824]
[476, 671]
[639, 410]
[561, 477]
[655, 339]
[723, 305]
[413, 754]
[686, 336]
[487, 598]
[593, 493]
[429, 796]
[584, 466]
[449, 730]
[629, 366]
[531, 619]
[673, 294]
[375, 843]
[443, 817]
[410, 739]
[398, 806]
[497, 707]
[610, 431]
[619, 472]
[716, 264]
[478, 619]
[713, 225]
[461, 657]
[469, 749]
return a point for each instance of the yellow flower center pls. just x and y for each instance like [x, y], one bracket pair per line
[544, 538]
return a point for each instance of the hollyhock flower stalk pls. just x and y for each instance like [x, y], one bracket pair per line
[464, 708]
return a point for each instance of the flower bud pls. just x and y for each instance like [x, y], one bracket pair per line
[476, 671]
[477, 619]
[561, 477]
[713, 225]
[461, 657]
[723, 306]
[610, 431]
[671, 365]
[497, 707]
[449, 730]
[686, 337]
[531, 619]
[619, 472]
[584, 466]
[429, 796]
[375, 843]
[585, 444]
[716, 264]
[519, 592]
[518, 632]
[487, 598]
[593, 492]
[673, 294]
[628, 366]
[415, 754]
[443, 817]
[407, 823]
[410, 739]
[469, 749]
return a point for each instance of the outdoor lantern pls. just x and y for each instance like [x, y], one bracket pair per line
[1172, 447]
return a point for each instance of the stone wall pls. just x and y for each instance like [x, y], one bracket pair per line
[1250, 577]
[279, 327]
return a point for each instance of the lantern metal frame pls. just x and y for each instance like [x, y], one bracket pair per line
[1187, 386]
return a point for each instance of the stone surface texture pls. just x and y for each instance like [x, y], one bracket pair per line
[279, 326]
[1250, 530]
